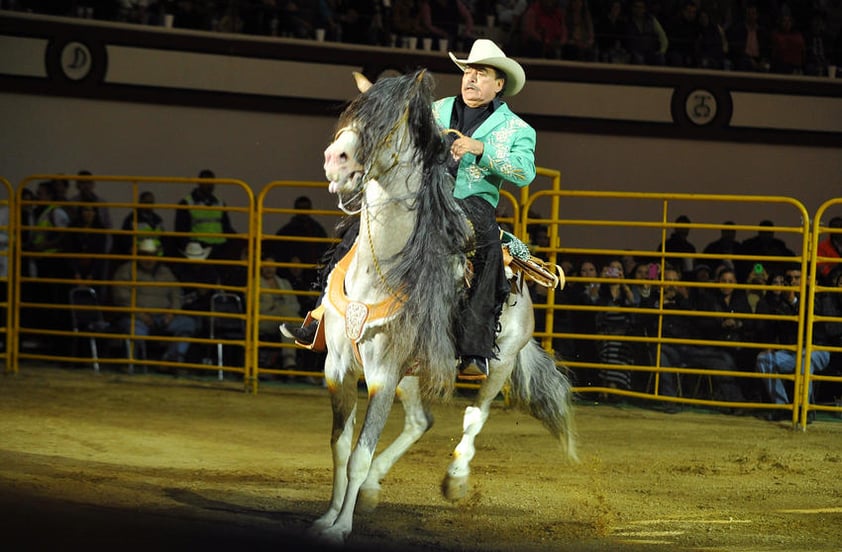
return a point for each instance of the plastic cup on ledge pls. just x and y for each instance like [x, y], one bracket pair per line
[320, 35]
[412, 42]
[442, 45]
[169, 20]
[427, 44]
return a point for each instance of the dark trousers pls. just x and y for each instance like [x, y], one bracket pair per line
[480, 313]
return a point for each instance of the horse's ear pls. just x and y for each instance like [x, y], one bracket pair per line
[363, 83]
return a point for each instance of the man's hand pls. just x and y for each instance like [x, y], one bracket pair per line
[464, 145]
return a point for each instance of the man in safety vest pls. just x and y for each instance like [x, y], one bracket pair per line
[204, 221]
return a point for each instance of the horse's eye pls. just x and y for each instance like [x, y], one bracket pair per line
[343, 156]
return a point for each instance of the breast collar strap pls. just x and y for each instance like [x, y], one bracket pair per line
[357, 315]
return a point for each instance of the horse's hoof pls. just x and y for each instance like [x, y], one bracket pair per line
[454, 488]
[333, 536]
[321, 525]
[368, 499]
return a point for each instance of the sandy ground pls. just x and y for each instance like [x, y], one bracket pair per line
[152, 462]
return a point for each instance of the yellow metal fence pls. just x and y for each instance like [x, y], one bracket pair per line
[35, 309]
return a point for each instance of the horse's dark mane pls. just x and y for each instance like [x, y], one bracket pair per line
[425, 269]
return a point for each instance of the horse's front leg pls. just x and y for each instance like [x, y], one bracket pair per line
[343, 398]
[381, 396]
[417, 420]
[455, 484]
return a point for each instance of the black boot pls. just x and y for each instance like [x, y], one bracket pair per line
[304, 334]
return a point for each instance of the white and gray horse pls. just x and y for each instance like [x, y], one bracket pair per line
[390, 305]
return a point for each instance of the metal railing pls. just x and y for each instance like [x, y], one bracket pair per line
[262, 216]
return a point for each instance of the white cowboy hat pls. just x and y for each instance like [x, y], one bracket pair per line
[194, 250]
[148, 246]
[485, 52]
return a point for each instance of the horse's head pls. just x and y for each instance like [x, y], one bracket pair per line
[387, 120]
[342, 169]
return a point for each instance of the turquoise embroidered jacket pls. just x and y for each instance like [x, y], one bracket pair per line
[509, 153]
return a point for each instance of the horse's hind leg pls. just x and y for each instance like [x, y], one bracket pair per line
[417, 420]
[343, 399]
[455, 484]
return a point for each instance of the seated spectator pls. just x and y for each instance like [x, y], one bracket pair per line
[192, 15]
[197, 271]
[645, 38]
[274, 302]
[509, 14]
[677, 242]
[830, 304]
[819, 46]
[784, 332]
[146, 223]
[728, 299]
[644, 325]
[165, 295]
[701, 273]
[404, 19]
[51, 220]
[87, 263]
[694, 356]
[358, 21]
[711, 44]
[298, 18]
[764, 244]
[301, 225]
[584, 293]
[683, 33]
[726, 246]
[543, 30]
[441, 19]
[86, 193]
[613, 320]
[581, 42]
[749, 43]
[788, 50]
[610, 32]
[830, 247]
[757, 277]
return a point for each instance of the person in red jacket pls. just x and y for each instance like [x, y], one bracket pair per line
[831, 246]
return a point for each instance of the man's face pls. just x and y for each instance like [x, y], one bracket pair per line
[146, 262]
[793, 277]
[670, 291]
[480, 85]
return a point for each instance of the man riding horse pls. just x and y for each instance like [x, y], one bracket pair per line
[492, 145]
[489, 145]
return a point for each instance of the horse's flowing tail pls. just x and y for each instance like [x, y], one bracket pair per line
[542, 390]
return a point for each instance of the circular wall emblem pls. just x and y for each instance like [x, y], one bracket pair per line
[76, 61]
[700, 107]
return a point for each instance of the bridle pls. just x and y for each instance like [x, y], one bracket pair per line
[371, 172]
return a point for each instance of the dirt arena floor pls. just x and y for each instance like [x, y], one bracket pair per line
[151, 462]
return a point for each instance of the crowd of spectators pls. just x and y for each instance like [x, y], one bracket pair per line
[188, 263]
[735, 286]
[605, 296]
[786, 37]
